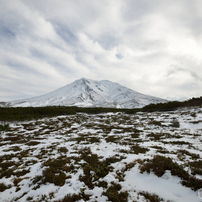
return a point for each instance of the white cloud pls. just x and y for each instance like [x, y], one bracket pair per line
[153, 47]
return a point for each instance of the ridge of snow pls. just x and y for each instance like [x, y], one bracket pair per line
[90, 93]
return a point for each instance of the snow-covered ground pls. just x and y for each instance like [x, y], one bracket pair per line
[101, 157]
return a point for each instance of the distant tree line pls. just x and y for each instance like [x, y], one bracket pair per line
[173, 105]
[29, 113]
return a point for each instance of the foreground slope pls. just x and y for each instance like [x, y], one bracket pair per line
[103, 157]
[90, 93]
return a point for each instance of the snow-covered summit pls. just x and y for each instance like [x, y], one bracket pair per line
[90, 93]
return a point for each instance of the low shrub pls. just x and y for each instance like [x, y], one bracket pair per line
[94, 169]
[156, 123]
[3, 187]
[136, 149]
[151, 197]
[115, 195]
[4, 127]
[160, 164]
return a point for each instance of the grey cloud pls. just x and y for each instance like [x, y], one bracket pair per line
[138, 9]
[147, 43]
[6, 32]
[65, 33]
[119, 56]
[108, 41]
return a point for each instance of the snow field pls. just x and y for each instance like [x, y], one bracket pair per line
[101, 157]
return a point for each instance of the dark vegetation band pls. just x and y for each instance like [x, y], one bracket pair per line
[28, 113]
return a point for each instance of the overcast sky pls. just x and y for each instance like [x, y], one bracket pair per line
[153, 47]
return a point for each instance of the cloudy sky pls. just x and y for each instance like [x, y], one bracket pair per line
[153, 47]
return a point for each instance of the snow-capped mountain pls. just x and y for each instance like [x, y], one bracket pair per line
[90, 93]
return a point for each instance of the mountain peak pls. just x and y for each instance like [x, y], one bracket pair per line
[91, 93]
[82, 80]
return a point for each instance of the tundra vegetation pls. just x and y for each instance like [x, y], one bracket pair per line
[73, 154]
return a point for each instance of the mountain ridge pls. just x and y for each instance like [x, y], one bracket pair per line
[90, 93]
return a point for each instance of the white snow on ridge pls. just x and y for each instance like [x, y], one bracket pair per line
[90, 93]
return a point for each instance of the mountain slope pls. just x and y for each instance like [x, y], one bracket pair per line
[90, 93]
